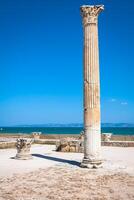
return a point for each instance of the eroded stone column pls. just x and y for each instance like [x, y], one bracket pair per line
[92, 132]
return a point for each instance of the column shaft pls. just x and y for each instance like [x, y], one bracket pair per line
[91, 93]
[92, 133]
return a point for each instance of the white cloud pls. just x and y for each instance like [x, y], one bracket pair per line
[124, 103]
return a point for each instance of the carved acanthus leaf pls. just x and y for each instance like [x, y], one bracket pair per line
[90, 13]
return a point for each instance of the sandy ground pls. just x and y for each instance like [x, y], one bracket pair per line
[56, 175]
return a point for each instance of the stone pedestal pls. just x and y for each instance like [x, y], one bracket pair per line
[23, 149]
[107, 137]
[36, 135]
[92, 136]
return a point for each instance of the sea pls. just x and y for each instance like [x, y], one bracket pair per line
[64, 130]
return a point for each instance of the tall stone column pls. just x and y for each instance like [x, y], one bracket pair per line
[92, 132]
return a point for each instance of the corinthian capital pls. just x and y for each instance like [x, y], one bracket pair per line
[90, 13]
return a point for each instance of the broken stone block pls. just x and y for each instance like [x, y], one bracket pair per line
[69, 145]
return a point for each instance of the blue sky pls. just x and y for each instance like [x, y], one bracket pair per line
[41, 61]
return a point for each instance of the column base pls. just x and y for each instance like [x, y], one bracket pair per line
[23, 157]
[91, 164]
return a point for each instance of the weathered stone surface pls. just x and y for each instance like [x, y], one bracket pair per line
[6, 145]
[92, 135]
[36, 135]
[23, 149]
[70, 145]
[106, 137]
[81, 136]
[118, 143]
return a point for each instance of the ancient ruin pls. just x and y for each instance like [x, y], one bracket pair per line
[92, 132]
[23, 149]
[107, 137]
[36, 135]
[70, 145]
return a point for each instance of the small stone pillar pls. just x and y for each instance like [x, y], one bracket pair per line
[92, 133]
[107, 137]
[23, 149]
[36, 135]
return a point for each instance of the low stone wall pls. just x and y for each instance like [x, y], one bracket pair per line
[122, 138]
[62, 136]
[46, 141]
[118, 143]
[77, 146]
[12, 144]
[6, 145]
[76, 136]
[67, 145]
